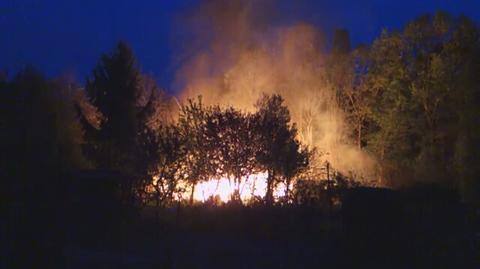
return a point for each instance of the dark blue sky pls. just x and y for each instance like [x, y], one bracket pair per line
[68, 36]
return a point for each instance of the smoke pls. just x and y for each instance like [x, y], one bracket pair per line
[238, 50]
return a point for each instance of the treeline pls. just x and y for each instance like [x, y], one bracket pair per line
[123, 123]
[411, 99]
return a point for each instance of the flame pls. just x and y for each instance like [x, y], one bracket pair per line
[224, 188]
[254, 185]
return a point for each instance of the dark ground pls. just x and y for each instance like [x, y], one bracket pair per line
[374, 228]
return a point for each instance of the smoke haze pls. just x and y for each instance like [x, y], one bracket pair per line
[237, 52]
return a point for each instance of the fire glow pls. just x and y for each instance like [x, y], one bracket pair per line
[223, 189]
[252, 186]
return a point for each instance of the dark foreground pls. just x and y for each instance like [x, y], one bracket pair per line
[373, 228]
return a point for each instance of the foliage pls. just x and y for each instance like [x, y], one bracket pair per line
[419, 79]
[41, 127]
[197, 160]
[164, 151]
[122, 113]
[40, 145]
[113, 90]
[231, 136]
[279, 151]
[410, 98]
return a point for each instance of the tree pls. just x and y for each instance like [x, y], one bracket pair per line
[341, 42]
[164, 152]
[155, 107]
[464, 60]
[43, 131]
[347, 73]
[198, 161]
[296, 160]
[346, 69]
[122, 106]
[114, 89]
[418, 79]
[231, 140]
[278, 150]
[41, 144]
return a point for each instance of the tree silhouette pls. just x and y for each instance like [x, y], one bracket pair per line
[233, 144]
[278, 151]
[295, 160]
[418, 81]
[123, 108]
[341, 42]
[197, 160]
[113, 89]
[164, 152]
[40, 146]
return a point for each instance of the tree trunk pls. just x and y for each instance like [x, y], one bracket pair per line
[287, 189]
[269, 194]
[359, 135]
[236, 190]
[191, 194]
[381, 176]
[253, 189]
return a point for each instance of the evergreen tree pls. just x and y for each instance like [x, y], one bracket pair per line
[113, 89]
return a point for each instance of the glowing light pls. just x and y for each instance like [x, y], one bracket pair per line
[254, 185]
[224, 188]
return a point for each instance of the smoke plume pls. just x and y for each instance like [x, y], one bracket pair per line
[237, 50]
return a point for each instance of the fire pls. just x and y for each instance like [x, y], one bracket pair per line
[254, 185]
[239, 60]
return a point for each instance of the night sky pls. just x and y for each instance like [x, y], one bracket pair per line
[67, 37]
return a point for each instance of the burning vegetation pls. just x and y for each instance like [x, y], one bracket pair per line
[244, 55]
[261, 108]
[275, 145]
[227, 153]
